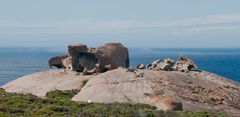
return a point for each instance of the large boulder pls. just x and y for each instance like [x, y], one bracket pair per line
[63, 61]
[107, 57]
[75, 50]
[111, 56]
[184, 64]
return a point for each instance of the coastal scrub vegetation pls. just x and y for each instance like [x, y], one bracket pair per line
[58, 103]
[62, 95]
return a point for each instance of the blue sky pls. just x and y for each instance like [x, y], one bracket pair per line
[136, 23]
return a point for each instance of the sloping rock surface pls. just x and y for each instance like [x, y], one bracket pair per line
[42, 82]
[167, 90]
[122, 86]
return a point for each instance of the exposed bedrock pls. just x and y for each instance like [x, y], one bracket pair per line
[81, 58]
[166, 90]
[183, 64]
[166, 84]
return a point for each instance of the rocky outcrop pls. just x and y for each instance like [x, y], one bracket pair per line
[111, 56]
[122, 86]
[42, 82]
[181, 89]
[183, 64]
[166, 90]
[83, 59]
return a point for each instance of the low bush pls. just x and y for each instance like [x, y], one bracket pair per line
[58, 103]
[62, 95]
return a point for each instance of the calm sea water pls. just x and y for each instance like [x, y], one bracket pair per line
[17, 62]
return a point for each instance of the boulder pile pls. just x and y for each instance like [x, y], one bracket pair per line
[183, 64]
[110, 56]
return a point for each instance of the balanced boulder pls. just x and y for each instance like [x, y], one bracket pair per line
[111, 56]
[82, 59]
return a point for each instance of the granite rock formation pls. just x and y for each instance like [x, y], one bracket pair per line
[167, 90]
[183, 64]
[166, 84]
[83, 59]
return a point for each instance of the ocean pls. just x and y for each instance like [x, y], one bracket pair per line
[17, 62]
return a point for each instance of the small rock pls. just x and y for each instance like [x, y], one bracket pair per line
[131, 70]
[89, 101]
[141, 66]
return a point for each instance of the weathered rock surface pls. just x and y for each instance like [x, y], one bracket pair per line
[111, 56]
[81, 58]
[184, 64]
[122, 86]
[172, 90]
[42, 82]
[165, 65]
[63, 61]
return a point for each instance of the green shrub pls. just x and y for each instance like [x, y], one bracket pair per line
[62, 95]
[58, 103]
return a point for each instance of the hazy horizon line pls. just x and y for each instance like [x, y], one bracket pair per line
[131, 47]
